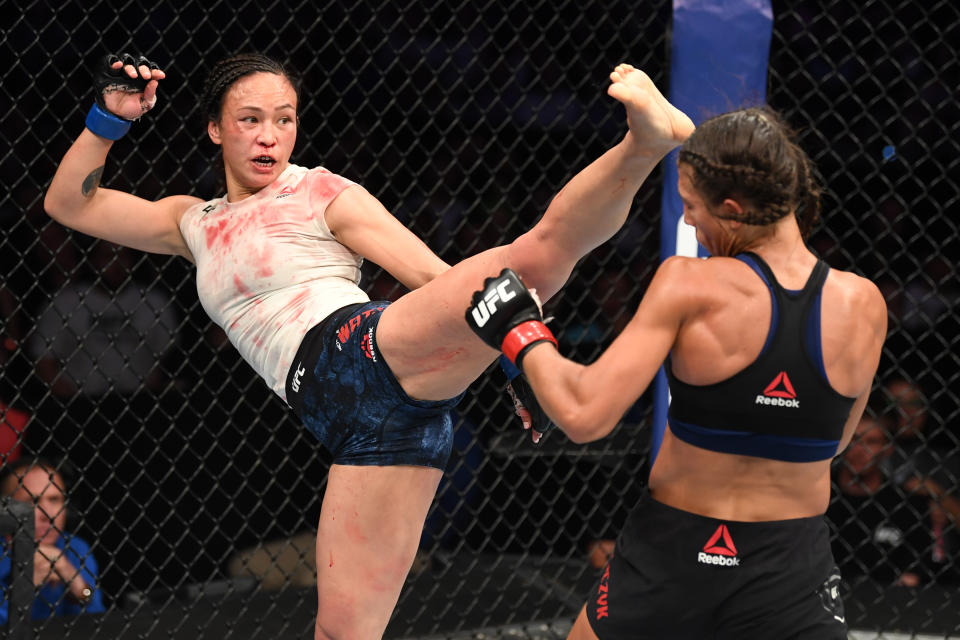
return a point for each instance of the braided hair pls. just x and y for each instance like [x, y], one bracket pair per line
[751, 155]
[226, 72]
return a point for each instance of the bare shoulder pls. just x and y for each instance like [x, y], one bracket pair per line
[693, 285]
[352, 195]
[698, 276]
[680, 275]
[683, 267]
[352, 205]
[176, 206]
[852, 292]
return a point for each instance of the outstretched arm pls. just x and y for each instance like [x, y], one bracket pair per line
[75, 198]
[585, 401]
[588, 401]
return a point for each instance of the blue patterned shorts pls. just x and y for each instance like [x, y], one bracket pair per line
[342, 389]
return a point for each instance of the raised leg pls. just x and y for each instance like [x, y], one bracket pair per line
[423, 335]
[370, 526]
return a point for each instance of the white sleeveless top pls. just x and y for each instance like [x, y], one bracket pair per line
[268, 268]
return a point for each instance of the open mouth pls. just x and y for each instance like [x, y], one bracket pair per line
[264, 162]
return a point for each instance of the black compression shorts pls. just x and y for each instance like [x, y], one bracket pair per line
[681, 576]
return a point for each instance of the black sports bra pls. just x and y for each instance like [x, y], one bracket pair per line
[781, 406]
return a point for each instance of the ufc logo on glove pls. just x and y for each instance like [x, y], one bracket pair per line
[488, 306]
[506, 316]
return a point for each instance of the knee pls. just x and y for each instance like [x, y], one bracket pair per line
[338, 617]
[545, 270]
[333, 628]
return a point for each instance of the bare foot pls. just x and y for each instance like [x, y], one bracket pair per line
[656, 126]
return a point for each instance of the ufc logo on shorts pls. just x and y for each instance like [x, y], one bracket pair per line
[295, 385]
[488, 306]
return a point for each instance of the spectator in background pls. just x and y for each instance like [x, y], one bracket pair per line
[907, 405]
[13, 422]
[104, 335]
[884, 529]
[923, 459]
[64, 569]
[909, 408]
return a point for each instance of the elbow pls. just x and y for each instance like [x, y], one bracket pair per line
[582, 410]
[53, 206]
[582, 426]
[60, 209]
[49, 204]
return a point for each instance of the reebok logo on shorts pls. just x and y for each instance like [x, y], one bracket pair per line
[602, 610]
[367, 345]
[347, 328]
[779, 393]
[719, 549]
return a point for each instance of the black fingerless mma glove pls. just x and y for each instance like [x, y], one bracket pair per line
[505, 316]
[106, 78]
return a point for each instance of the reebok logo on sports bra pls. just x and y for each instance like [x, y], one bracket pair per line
[779, 393]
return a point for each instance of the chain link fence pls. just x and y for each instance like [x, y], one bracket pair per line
[199, 493]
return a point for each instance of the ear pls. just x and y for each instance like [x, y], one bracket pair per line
[213, 130]
[731, 213]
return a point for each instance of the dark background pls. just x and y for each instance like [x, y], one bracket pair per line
[463, 118]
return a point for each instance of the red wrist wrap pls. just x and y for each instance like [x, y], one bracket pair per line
[524, 335]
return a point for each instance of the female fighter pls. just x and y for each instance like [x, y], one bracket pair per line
[278, 260]
[770, 356]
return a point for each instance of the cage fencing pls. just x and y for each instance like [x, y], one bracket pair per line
[197, 490]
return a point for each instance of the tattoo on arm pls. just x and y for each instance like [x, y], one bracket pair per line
[91, 182]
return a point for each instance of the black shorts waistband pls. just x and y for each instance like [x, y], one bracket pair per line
[302, 360]
[655, 507]
[682, 537]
